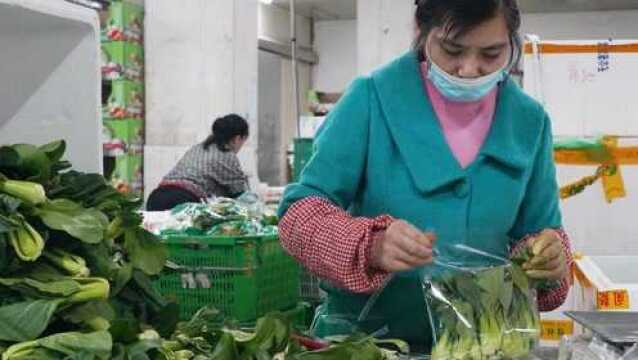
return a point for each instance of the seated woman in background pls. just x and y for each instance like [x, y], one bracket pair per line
[210, 168]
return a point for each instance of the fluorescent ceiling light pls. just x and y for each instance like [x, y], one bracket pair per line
[268, 2]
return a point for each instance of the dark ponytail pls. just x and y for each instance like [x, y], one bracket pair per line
[225, 129]
[457, 17]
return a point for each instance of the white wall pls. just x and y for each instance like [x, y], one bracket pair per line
[274, 23]
[50, 76]
[336, 45]
[585, 25]
[201, 63]
[385, 29]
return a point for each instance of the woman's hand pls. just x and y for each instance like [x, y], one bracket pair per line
[548, 261]
[402, 247]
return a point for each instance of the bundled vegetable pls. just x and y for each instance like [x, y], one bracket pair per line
[75, 263]
[222, 217]
[481, 312]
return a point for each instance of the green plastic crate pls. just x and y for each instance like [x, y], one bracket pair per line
[244, 277]
[302, 152]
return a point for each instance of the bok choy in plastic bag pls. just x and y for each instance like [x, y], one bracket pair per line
[481, 307]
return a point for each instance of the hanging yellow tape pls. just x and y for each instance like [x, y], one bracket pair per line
[620, 156]
[613, 184]
[579, 186]
[609, 160]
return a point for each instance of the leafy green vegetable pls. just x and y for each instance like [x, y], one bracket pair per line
[26, 191]
[95, 345]
[70, 263]
[27, 320]
[86, 228]
[54, 150]
[96, 315]
[26, 242]
[354, 348]
[87, 225]
[146, 252]
[485, 313]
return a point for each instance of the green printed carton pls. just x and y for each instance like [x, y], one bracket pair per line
[123, 22]
[126, 100]
[128, 175]
[122, 60]
[122, 137]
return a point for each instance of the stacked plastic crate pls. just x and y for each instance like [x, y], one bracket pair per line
[123, 94]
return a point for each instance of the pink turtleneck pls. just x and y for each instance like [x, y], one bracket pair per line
[465, 125]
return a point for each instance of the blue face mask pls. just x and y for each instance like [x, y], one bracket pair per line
[463, 90]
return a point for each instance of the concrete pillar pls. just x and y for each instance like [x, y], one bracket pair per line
[201, 63]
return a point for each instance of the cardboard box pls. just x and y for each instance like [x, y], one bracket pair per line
[606, 283]
[121, 137]
[128, 175]
[126, 100]
[123, 22]
[122, 60]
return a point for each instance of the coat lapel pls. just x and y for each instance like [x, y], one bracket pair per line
[512, 141]
[418, 136]
[414, 126]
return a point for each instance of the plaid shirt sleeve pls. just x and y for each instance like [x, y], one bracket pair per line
[332, 244]
[549, 300]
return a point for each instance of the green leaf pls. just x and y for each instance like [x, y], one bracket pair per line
[145, 251]
[491, 283]
[87, 225]
[54, 150]
[350, 349]
[97, 344]
[34, 164]
[519, 278]
[4, 252]
[143, 283]
[32, 288]
[8, 224]
[9, 204]
[122, 276]
[226, 348]
[139, 349]
[165, 320]
[9, 158]
[271, 336]
[83, 313]
[507, 292]
[26, 320]
[466, 286]
[125, 330]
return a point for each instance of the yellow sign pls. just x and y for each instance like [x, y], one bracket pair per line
[613, 300]
[554, 330]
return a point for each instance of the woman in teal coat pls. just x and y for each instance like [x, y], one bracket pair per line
[438, 147]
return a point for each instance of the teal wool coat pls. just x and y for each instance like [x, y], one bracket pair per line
[382, 151]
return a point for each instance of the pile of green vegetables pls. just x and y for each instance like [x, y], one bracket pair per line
[487, 313]
[208, 337]
[75, 278]
[75, 264]
[221, 217]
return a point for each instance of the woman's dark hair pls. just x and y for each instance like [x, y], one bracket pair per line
[225, 129]
[460, 16]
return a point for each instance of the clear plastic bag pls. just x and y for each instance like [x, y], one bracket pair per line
[480, 306]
